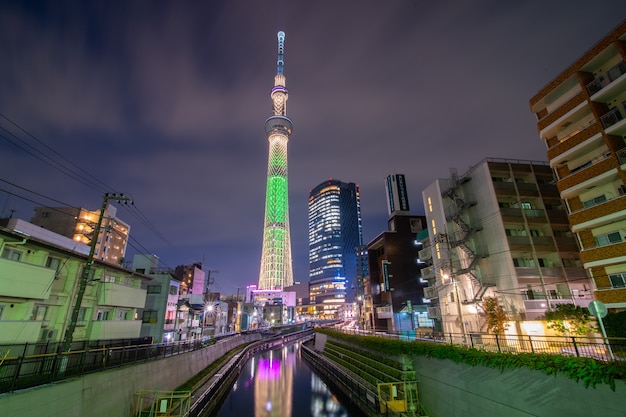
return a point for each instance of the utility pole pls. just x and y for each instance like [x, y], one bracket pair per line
[84, 277]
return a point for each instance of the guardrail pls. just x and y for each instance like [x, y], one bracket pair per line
[20, 370]
[612, 348]
[359, 391]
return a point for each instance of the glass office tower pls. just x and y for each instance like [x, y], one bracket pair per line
[335, 231]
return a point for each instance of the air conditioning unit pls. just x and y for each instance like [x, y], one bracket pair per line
[431, 292]
[434, 313]
[48, 335]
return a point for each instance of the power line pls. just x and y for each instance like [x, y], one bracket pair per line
[51, 158]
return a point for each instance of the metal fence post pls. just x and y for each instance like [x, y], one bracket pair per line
[18, 369]
[498, 343]
[575, 345]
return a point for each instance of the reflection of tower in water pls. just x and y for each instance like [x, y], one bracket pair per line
[273, 386]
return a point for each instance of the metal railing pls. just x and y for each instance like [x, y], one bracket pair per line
[29, 365]
[358, 390]
[611, 348]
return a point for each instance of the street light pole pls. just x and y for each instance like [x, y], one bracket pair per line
[84, 278]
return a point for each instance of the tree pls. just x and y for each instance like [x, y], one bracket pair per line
[615, 324]
[569, 318]
[497, 319]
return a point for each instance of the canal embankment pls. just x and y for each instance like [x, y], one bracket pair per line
[113, 392]
[448, 388]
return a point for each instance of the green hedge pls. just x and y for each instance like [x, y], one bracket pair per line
[586, 370]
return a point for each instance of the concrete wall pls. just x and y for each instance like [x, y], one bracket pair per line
[447, 389]
[112, 393]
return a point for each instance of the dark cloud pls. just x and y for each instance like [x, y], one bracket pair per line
[166, 101]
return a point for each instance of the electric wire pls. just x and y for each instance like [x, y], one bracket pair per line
[75, 172]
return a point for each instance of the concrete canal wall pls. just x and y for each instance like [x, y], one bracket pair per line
[112, 393]
[447, 389]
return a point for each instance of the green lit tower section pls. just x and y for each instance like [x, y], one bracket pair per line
[276, 269]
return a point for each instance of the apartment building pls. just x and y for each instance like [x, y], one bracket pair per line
[581, 117]
[40, 273]
[499, 230]
[79, 224]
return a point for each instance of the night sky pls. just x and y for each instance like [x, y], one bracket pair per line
[166, 101]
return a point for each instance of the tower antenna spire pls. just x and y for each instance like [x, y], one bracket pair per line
[281, 51]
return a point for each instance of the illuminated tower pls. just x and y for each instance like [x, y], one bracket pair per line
[276, 270]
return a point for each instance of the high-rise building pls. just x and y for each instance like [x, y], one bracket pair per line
[276, 268]
[581, 117]
[396, 292]
[79, 224]
[397, 196]
[500, 230]
[335, 232]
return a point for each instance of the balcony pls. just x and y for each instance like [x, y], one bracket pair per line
[425, 254]
[533, 272]
[115, 329]
[22, 280]
[621, 156]
[567, 107]
[434, 313]
[607, 86]
[542, 305]
[384, 312]
[112, 294]
[566, 244]
[428, 273]
[557, 216]
[599, 210]
[431, 292]
[613, 121]
[19, 331]
[603, 253]
[587, 171]
[574, 138]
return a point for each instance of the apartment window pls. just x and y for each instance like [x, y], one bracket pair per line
[173, 290]
[523, 262]
[53, 263]
[527, 206]
[11, 254]
[108, 278]
[571, 262]
[594, 201]
[618, 280]
[1, 311]
[82, 314]
[39, 313]
[103, 315]
[154, 289]
[608, 239]
[123, 314]
[149, 316]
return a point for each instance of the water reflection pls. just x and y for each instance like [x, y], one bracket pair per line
[278, 383]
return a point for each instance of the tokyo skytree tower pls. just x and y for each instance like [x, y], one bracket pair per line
[276, 269]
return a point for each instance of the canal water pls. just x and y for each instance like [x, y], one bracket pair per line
[279, 383]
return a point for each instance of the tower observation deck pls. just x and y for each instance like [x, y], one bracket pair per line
[276, 267]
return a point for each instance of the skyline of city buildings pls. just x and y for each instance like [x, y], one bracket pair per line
[581, 117]
[532, 234]
[276, 264]
[335, 232]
